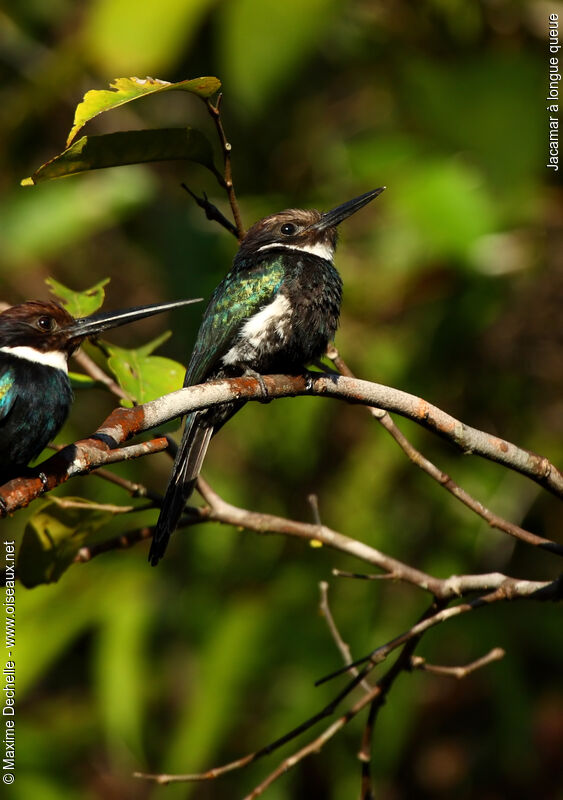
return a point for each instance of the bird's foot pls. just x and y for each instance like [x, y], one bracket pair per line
[3, 508]
[251, 373]
[44, 481]
[310, 380]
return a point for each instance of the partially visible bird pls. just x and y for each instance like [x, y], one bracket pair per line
[36, 340]
[275, 311]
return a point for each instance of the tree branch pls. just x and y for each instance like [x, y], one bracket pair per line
[103, 446]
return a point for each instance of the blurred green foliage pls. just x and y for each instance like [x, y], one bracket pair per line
[453, 288]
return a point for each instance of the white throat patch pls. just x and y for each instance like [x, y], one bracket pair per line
[53, 358]
[320, 249]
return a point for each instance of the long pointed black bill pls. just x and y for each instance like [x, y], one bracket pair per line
[332, 218]
[103, 321]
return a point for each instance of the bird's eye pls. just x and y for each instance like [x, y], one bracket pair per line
[288, 229]
[45, 324]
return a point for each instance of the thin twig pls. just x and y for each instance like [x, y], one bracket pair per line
[134, 489]
[335, 633]
[419, 663]
[227, 180]
[97, 373]
[510, 589]
[340, 573]
[211, 211]
[120, 542]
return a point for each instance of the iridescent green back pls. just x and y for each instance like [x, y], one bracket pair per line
[241, 293]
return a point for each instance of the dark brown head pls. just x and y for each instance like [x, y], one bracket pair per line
[311, 231]
[40, 325]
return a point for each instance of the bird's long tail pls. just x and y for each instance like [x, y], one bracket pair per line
[187, 466]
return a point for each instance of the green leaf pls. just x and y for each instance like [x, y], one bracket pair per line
[143, 376]
[54, 535]
[80, 381]
[126, 147]
[79, 304]
[124, 90]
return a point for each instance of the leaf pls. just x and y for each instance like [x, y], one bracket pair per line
[54, 535]
[126, 147]
[79, 304]
[125, 90]
[80, 381]
[143, 376]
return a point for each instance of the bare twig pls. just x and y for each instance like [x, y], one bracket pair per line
[510, 589]
[134, 489]
[97, 373]
[340, 573]
[335, 633]
[120, 542]
[211, 211]
[419, 663]
[227, 180]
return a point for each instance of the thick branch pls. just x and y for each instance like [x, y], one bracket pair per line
[123, 423]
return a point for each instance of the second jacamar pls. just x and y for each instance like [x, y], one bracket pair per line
[36, 340]
[275, 311]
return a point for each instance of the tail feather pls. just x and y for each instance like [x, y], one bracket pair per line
[185, 472]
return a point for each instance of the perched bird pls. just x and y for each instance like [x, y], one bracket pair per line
[36, 341]
[274, 312]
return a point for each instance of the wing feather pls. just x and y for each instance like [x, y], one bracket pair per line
[239, 296]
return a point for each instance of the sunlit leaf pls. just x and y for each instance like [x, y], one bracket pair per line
[126, 147]
[79, 304]
[54, 535]
[124, 90]
[143, 376]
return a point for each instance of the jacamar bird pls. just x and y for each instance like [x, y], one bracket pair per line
[274, 312]
[36, 340]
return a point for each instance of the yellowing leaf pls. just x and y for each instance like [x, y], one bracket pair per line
[124, 90]
[54, 535]
[126, 147]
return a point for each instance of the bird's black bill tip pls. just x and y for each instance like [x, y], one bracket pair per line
[105, 320]
[337, 215]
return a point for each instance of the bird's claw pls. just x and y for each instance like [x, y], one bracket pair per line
[309, 381]
[3, 508]
[44, 481]
[251, 373]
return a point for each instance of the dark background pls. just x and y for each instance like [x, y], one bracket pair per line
[453, 291]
